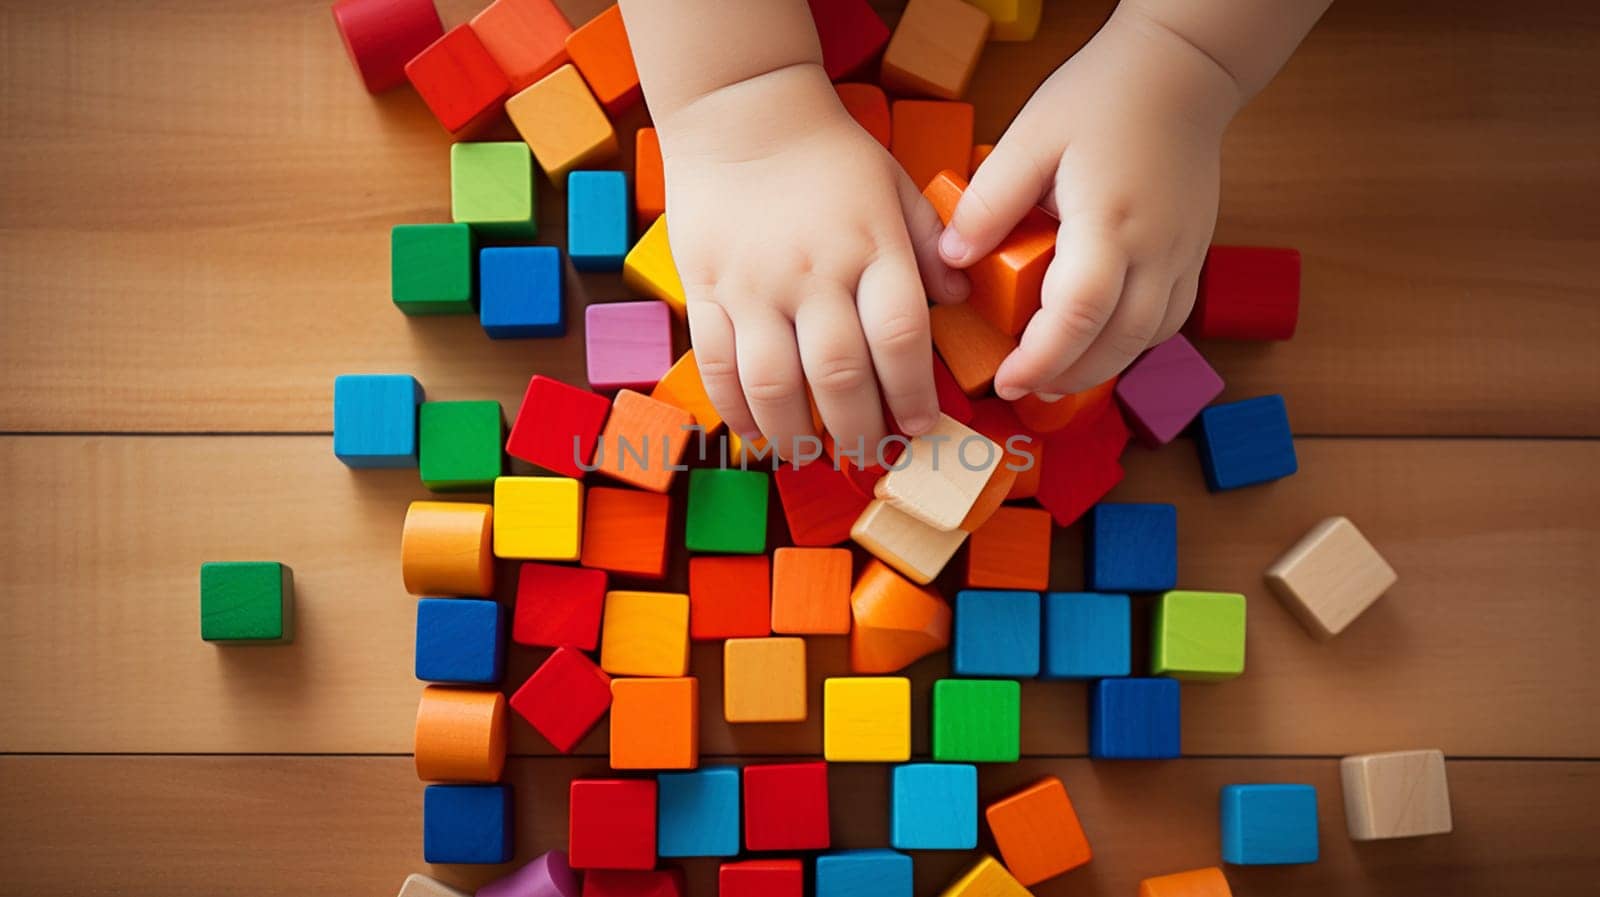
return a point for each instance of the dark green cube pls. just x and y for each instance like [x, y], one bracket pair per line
[431, 269]
[246, 603]
[460, 445]
[727, 511]
[977, 720]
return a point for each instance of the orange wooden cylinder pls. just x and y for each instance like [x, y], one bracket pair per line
[447, 548]
[461, 735]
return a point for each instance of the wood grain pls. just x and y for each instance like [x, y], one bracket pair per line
[1481, 649]
[203, 247]
[175, 826]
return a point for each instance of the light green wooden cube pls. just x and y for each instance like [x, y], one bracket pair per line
[1198, 636]
[491, 189]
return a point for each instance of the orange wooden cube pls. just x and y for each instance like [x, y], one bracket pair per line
[811, 591]
[1038, 832]
[869, 106]
[460, 735]
[930, 136]
[935, 48]
[1048, 417]
[645, 634]
[642, 441]
[971, 347]
[896, 622]
[562, 123]
[649, 178]
[980, 152]
[655, 723]
[625, 531]
[730, 597]
[527, 38]
[682, 387]
[1207, 882]
[1011, 551]
[1005, 283]
[600, 50]
[764, 680]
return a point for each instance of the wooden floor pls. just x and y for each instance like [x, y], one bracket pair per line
[193, 242]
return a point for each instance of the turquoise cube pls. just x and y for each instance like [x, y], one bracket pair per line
[1269, 825]
[1087, 636]
[597, 220]
[934, 806]
[375, 419]
[697, 813]
[864, 873]
[996, 634]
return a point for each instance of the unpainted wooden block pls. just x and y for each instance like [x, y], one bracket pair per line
[941, 474]
[904, 542]
[645, 634]
[563, 125]
[866, 719]
[423, 886]
[1330, 577]
[1398, 794]
[655, 723]
[764, 680]
[935, 48]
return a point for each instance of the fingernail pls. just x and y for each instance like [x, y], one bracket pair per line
[956, 284]
[916, 424]
[953, 246]
[1010, 393]
[1049, 396]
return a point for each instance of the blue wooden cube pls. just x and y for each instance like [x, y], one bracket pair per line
[466, 824]
[934, 806]
[1134, 719]
[597, 220]
[375, 419]
[864, 873]
[1245, 443]
[698, 813]
[459, 640]
[995, 634]
[519, 292]
[1087, 636]
[1269, 825]
[1131, 548]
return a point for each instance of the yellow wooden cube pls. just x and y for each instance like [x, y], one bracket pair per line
[645, 634]
[866, 719]
[987, 879]
[648, 268]
[764, 680]
[1014, 20]
[562, 123]
[538, 518]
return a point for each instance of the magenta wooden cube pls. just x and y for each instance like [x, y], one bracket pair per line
[547, 876]
[1164, 390]
[629, 344]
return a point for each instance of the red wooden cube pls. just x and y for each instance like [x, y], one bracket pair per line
[1247, 292]
[633, 883]
[730, 597]
[558, 605]
[381, 36]
[761, 878]
[458, 79]
[952, 400]
[564, 698]
[786, 806]
[557, 426]
[851, 34]
[1081, 465]
[611, 824]
[819, 503]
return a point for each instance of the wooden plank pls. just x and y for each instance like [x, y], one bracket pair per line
[221, 275]
[352, 825]
[1480, 650]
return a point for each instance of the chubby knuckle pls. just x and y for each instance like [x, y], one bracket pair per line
[841, 375]
[767, 388]
[1130, 341]
[1080, 319]
[715, 367]
[900, 331]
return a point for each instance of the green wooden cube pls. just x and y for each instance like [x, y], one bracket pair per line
[491, 188]
[460, 445]
[727, 511]
[1199, 636]
[977, 720]
[246, 603]
[431, 269]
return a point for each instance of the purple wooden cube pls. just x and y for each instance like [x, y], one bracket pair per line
[548, 876]
[1165, 389]
[629, 344]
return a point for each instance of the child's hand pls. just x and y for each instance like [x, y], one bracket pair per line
[1122, 145]
[798, 240]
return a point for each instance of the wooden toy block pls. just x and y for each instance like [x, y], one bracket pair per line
[1164, 390]
[864, 873]
[375, 419]
[866, 719]
[730, 597]
[869, 106]
[1198, 636]
[996, 634]
[466, 824]
[862, 467]
[1086, 636]
[980, 152]
[930, 136]
[698, 813]
[519, 290]
[611, 824]
[1038, 832]
[952, 401]
[977, 720]
[811, 591]
[818, 503]
[558, 605]
[905, 543]
[986, 879]
[1330, 577]
[645, 634]
[761, 878]
[1269, 825]
[969, 345]
[764, 680]
[1134, 719]
[1206, 882]
[597, 220]
[625, 531]
[491, 189]
[934, 806]
[1398, 794]
[628, 344]
[1014, 20]
[851, 34]
[681, 386]
[948, 468]
[562, 124]
[643, 441]
[460, 735]
[557, 426]
[649, 178]
[1048, 417]
[459, 445]
[1024, 449]
[548, 876]
[459, 640]
[246, 603]
[381, 36]
[655, 723]
[1131, 547]
[635, 883]
[1002, 478]
[935, 49]
[526, 38]
[564, 698]
[1006, 283]
[1011, 551]
[423, 886]
[786, 806]
[459, 81]
[896, 623]
[538, 518]
[649, 269]
[727, 511]
[1247, 292]
[446, 548]
[1081, 466]
[600, 50]
[431, 269]
[1245, 443]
